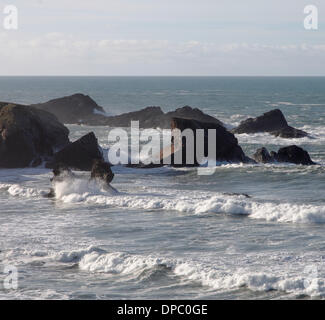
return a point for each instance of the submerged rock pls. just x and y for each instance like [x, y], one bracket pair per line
[272, 122]
[79, 155]
[234, 194]
[28, 135]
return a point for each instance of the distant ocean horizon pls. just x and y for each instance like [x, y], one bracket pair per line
[169, 233]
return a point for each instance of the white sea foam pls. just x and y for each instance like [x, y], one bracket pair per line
[21, 191]
[253, 280]
[33, 295]
[217, 277]
[118, 263]
[191, 203]
[74, 191]
[316, 137]
[287, 103]
[5, 186]
[258, 272]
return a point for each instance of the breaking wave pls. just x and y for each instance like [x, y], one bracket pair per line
[75, 191]
[192, 203]
[300, 281]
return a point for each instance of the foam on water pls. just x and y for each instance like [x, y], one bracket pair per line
[17, 190]
[316, 137]
[299, 280]
[80, 191]
[89, 192]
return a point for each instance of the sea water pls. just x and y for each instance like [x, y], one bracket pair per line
[170, 233]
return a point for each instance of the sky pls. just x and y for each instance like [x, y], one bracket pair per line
[171, 37]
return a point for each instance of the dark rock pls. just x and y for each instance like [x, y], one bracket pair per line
[36, 162]
[81, 109]
[154, 117]
[77, 108]
[79, 155]
[273, 122]
[102, 170]
[262, 155]
[289, 132]
[149, 117]
[51, 194]
[273, 154]
[293, 154]
[227, 148]
[145, 166]
[61, 169]
[190, 113]
[28, 135]
[237, 194]
[268, 122]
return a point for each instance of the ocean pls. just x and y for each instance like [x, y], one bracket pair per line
[170, 233]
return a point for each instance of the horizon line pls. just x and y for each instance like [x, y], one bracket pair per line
[175, 76]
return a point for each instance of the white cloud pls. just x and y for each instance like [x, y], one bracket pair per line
[57, 53]
[125, 37]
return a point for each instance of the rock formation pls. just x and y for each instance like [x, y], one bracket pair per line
[74, 109]
[81, 109]
[262, 155]
[78, 155]
[28, 135]
[293, 154]
[290, 154]
[272, 122]
[102, 170]
[227, 148]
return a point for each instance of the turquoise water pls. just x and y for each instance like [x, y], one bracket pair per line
[171, 233]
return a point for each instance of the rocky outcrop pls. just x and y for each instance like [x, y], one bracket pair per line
[262, 155]
[60, 170]
[149, 117]
[81, 109]
[289, 133]
[227, 148]
[290, 154]
[77, 108]
[28, 135]
[272, 122]
[154, 117]
[190, 113]
[78, 155]
[101, 170]
[293, 154]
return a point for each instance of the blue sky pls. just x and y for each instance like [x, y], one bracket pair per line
[148, 37]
